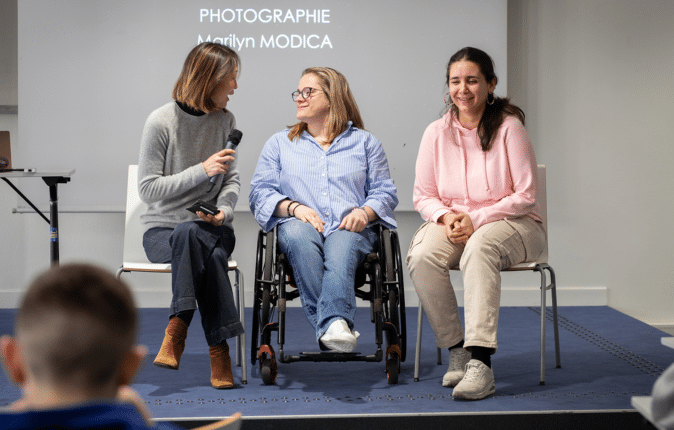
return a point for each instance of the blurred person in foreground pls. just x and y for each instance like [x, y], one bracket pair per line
[73, 354]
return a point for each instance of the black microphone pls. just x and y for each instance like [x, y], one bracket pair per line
[232, 142]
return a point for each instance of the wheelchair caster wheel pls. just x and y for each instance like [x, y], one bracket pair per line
[392, 363]
[393, 369]
[267, 360]
[267, 371]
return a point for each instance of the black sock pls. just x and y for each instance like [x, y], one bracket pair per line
[458, 345]
[186, 316]
[481, 353]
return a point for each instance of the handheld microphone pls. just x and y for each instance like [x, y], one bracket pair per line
[232, 142]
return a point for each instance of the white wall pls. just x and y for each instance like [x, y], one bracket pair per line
[595, 80]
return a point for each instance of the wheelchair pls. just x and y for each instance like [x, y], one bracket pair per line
[379, 280]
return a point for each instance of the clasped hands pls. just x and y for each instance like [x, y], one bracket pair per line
[458, 227]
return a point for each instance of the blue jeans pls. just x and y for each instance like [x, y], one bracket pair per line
[325, 270]
[198, 253]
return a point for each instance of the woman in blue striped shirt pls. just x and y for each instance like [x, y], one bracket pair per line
[325, 182]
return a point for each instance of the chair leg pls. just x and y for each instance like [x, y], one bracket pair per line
[241, 339]
[543, 318]
[237, 354]
[553, 292]
[417, 355]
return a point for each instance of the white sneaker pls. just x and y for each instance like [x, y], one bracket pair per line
[339, 338]
[458, 358]
[477, 383]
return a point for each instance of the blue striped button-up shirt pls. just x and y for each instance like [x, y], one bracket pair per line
[352, 173]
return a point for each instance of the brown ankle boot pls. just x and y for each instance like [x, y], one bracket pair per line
[173, 345]
[221, 366]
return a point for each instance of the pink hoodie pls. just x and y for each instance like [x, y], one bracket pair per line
[453, 174]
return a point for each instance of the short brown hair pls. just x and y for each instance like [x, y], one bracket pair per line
[343, 107]
[76, 324]
[205, 67]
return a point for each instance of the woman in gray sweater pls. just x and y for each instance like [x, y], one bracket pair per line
[183, 160]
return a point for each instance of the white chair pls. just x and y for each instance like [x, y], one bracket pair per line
[135, 260]
[538, 266]
[644, 405]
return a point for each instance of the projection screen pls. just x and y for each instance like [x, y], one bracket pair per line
[91, 71]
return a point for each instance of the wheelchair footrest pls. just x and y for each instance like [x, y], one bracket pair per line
[330, 353]
[329, 356]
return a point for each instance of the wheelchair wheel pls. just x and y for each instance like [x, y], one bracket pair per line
[262, 290]
[256, 298]
[389, 279]
[268, 276]
[398, 270]
[394, 286]
[389, 256]
[393, 308]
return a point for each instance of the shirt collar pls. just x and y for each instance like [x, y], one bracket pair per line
[349, 125]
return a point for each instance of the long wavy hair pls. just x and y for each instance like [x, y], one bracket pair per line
[494, 112]
[343, 107]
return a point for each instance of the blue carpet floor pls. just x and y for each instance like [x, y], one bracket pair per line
[607, 357]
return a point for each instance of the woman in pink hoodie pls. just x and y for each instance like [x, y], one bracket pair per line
[475, 187]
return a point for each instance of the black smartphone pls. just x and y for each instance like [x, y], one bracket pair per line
[204, 207]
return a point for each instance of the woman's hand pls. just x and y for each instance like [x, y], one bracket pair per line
[306, 214]
[216, 219]
[460, 229]
[355, 221]
[218, 163]
[448, 221]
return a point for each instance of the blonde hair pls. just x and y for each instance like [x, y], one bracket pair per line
[343, 107]
[206, 66]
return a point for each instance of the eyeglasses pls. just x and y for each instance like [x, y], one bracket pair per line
[306, 93]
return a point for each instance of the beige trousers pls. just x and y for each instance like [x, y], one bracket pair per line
[491, 248]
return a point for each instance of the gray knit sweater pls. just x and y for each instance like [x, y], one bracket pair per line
[170, 174]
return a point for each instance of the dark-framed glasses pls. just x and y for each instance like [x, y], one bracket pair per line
[305, 92]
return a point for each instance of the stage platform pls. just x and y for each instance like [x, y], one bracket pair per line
[607, 357]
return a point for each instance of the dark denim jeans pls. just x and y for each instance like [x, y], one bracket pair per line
[198, 253]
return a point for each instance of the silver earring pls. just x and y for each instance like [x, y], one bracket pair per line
[491, 95]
